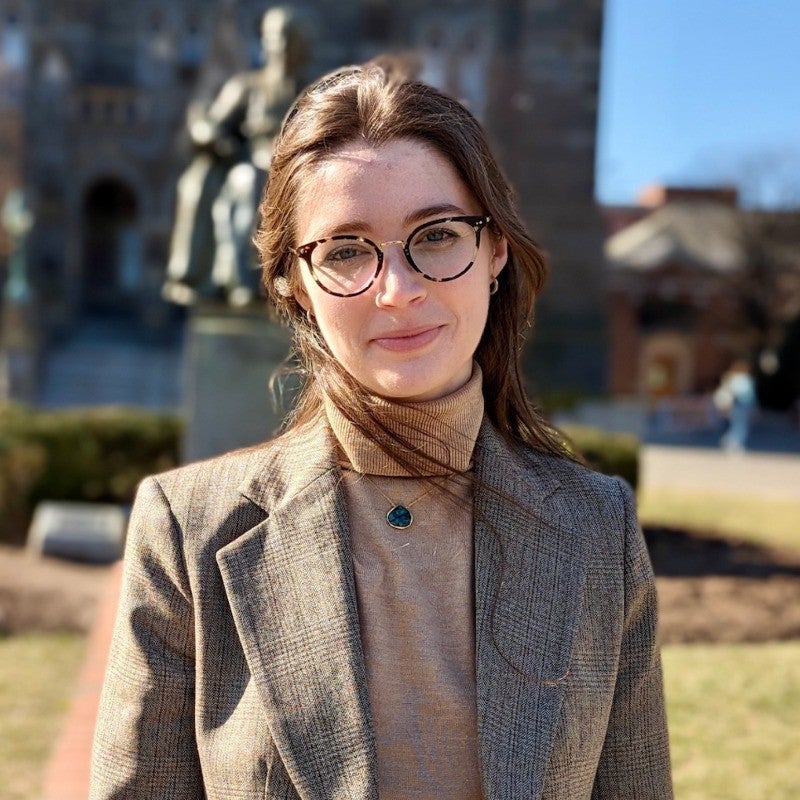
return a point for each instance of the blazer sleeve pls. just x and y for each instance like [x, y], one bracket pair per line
[144, 743]
[634, 763]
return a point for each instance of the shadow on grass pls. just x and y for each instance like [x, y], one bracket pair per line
[680, 553]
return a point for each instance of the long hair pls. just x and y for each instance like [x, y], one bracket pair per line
[375, 105]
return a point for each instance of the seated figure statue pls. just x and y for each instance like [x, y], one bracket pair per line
[211, 255]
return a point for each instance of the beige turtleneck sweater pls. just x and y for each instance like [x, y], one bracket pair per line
[415, 598]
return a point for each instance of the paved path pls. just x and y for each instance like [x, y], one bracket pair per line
[67, 774]
[700, 469]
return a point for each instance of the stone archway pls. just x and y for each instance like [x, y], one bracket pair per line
[111, 246]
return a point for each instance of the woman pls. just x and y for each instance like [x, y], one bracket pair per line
[414, 592]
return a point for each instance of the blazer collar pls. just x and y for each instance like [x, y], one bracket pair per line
[291, 589]
[290, 464]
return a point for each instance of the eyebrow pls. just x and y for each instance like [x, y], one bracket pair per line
[440, 209]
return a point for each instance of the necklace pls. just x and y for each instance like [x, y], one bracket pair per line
[399, 516]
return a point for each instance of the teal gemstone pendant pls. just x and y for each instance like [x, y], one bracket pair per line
[399, 517]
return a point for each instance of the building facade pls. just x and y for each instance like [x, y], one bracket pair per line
[95, 96]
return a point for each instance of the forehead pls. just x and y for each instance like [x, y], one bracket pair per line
[378, 188]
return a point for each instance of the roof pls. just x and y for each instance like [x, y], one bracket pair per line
[707, 235]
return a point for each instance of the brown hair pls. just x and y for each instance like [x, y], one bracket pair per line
[376, 105]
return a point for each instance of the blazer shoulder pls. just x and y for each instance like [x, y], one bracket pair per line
[222, 470]
[237, 489]
[570, 473]
[204, 496]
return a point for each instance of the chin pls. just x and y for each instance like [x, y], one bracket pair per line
[394, 386]
[415, 385]
[401, 390]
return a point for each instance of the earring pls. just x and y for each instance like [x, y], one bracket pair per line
[310, 316]
[494, 286]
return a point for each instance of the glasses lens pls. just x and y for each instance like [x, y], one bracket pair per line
[444, 250]
[344, 266]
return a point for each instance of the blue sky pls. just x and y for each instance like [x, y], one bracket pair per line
[701, 91]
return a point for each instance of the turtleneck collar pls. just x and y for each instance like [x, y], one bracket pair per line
[445, 428]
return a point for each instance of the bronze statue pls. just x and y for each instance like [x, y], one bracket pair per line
[211, 255]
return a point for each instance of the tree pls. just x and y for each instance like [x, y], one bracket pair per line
[771, 300]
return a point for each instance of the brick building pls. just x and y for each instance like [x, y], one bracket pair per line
[695, 284]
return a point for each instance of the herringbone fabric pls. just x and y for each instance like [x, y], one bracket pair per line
[236, 668]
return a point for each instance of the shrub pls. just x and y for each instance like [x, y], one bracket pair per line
[21, 466]
[555, 400]
[610, 453]
[93, 454]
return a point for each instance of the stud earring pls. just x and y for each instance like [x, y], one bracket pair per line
[494, 286]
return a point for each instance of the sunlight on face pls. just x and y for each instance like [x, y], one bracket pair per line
[405, 337]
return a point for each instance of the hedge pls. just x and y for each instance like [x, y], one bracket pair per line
[101, 454]
[611, 453]
[93, 454]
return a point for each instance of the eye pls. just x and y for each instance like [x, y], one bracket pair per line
[346, 252]
[439, 237]
[433, 235]
[339, 254]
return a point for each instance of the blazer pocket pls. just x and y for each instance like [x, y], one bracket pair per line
[534, 618]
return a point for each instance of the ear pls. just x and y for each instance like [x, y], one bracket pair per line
[499, 255]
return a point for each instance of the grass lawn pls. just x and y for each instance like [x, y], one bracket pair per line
[753, 519]
[734, 710]
[37, 672]
[734, 717]
[733, 714]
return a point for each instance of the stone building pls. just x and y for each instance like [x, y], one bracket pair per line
[12, 75]
[99, 91]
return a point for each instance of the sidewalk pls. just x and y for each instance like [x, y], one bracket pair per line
[771, 475]
[67, 775]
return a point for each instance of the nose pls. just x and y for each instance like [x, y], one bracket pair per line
[399, 284]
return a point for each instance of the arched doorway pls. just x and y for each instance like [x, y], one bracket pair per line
[112, 258]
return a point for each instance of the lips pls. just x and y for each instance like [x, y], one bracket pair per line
[408, 339]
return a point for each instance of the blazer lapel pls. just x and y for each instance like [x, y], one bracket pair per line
[529, 571]
[290, 586]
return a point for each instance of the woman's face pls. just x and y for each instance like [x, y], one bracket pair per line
[406, 337]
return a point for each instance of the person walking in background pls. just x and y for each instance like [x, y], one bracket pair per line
[416, 591]
[736, 398]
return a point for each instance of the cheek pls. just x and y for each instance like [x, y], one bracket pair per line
[476, 314]
[478, 325]
[339, 323]
[303, 288]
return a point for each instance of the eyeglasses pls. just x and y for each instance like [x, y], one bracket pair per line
[441, 250]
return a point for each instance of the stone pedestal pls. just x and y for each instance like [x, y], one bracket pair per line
[229, 357]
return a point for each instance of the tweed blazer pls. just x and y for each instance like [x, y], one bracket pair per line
[236, 668]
